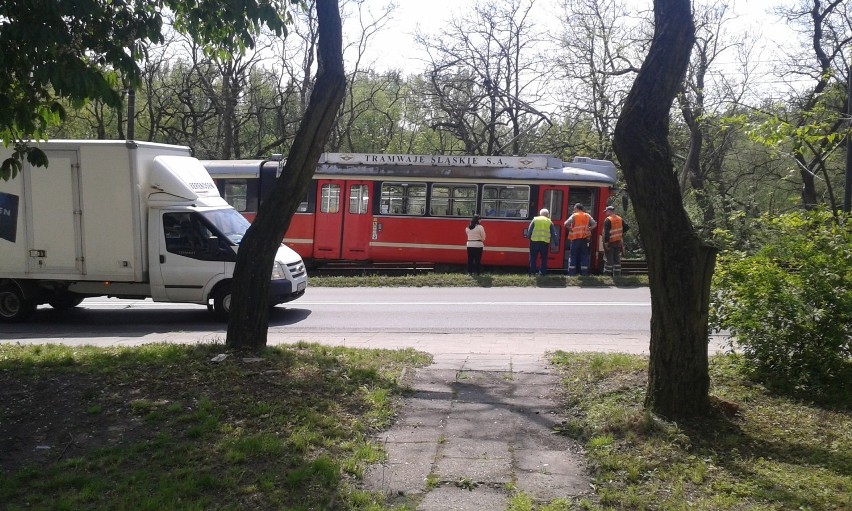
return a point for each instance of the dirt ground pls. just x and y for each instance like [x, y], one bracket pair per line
[59, 417]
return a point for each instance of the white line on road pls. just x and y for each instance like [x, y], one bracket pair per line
[159, 305]
[535, 304]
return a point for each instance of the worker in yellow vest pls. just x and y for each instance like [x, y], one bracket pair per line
[541, 232]
[613, 241]
[579, 228]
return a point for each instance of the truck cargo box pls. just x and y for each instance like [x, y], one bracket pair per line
[83, 216]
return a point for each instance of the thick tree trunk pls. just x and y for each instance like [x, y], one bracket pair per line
[249, 321]
[680, 265]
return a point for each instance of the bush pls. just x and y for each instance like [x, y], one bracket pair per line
[788, 307]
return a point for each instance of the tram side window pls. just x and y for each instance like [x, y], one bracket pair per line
[241, 194]
[330, 198]
[453, 200]
[505, 201]
[403, 199]
[359, 197]
[303, 206]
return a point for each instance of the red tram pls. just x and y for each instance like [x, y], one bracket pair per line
[392, 208]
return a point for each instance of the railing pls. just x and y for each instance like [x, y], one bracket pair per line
[634, 267]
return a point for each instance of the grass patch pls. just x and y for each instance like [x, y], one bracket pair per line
[163, 427]
[520, 501]
[465, 280]
[761, 451]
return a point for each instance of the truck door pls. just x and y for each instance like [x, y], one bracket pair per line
[186, 261]
[55, 243]
[554, 199]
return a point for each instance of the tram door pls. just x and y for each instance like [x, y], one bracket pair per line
[342, 227]
[357, 225]
[554, 198]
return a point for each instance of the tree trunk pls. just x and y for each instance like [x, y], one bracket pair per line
[810, 200]
[680, 265]
[229, 105]
[249, 318]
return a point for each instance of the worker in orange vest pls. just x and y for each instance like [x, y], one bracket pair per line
[579, 227]
[613, 241]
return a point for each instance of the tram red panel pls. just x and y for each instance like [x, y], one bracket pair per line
[300, 235]
[443, 240]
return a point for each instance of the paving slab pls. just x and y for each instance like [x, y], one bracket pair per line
[409, 434]
[470, 435]
[480, 471]
[452, 498]
[482, 449]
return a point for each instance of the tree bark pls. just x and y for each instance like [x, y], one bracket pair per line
[680, 265]
[249, 319]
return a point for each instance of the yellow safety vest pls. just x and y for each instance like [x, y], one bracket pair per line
[541, 229]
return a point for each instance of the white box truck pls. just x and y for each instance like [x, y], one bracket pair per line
[122, 219]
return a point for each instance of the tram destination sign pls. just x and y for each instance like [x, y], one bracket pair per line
[520, 162]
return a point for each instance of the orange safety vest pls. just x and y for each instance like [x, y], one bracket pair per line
[580, 226]
[616, 229]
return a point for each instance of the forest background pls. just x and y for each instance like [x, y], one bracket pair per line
[758, 127]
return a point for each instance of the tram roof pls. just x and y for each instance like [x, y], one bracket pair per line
[232, 168]
[534, 168]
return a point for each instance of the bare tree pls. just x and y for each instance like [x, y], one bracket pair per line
[601, 45]
[485, 77]
[370, 95]
[827, 27]
[703, 98]
[680, 264]
[371, 114]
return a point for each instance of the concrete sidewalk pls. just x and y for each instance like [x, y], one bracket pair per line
[501, 347]
[472, 433]
[483, 420]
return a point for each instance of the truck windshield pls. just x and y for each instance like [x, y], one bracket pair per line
[228, 222]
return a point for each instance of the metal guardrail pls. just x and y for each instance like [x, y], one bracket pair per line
[634, 267]
[353, 268]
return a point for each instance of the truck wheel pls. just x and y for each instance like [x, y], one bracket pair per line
[14, 307]
[222, 303]
[65, 301]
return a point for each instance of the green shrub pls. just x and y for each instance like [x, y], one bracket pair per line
[788, 307]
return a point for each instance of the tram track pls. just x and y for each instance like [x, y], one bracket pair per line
[367, 268]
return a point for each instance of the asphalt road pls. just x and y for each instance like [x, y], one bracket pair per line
[434, 319]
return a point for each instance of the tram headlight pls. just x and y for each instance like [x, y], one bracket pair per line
[278, 271]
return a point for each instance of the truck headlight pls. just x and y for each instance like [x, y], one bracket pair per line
[278, 271]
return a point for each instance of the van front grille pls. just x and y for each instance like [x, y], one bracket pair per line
[297, 269]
